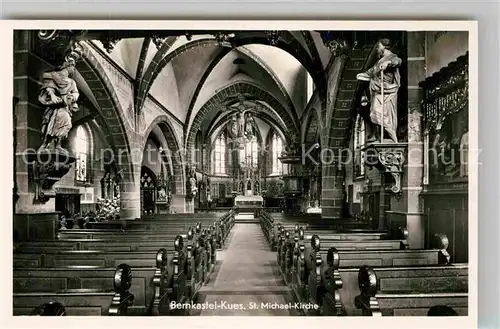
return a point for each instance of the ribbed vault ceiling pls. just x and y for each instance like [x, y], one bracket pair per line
[186, 74]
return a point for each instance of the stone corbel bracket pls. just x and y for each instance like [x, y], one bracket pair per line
[388, 159]
[46, 168]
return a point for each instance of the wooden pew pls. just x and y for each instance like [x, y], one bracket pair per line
[222, 224]
[288, 243]
[272, 225]
[34, 280]
[289, 246]
[197, 257]
[190, 267]
[146, 234]
[381, 292]
[202, 242]
[339, 272]
[82, 301]
[312, 273]
[178, 273]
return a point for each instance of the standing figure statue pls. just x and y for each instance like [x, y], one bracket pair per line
[59, 94]
[249, 124]
[385, 81]
[241, 124]
[233, 127]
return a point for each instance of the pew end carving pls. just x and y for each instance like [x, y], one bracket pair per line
[368, 286]
[160, 304]
[403, 235]
[441, 243]
[122, 283]
[332, 282]
[315, 284]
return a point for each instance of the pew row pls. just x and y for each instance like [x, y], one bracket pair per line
[381, 296]
[215, 231]
[114, 301]
[188, 268]
[330, 280]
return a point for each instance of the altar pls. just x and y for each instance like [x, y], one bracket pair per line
[248, 203]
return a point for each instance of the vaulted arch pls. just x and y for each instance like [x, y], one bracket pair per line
[111, 114]
[291, 46]
[176, 155]
[213, 104]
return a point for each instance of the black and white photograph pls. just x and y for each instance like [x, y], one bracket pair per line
[229, 169]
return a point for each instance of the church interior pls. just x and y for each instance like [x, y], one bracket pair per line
[201, 172]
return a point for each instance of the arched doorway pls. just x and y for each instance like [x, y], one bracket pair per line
[148, 191]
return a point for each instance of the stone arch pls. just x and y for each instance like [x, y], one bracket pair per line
[145, 81]
[111, 113]
[231, 91]
[293, 48]
[310, 127]
[177, 156]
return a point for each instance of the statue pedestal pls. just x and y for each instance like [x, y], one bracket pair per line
[46, 167]
[389, 159]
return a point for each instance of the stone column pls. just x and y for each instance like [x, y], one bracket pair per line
[130, 192]
[32, 219]
[406, 210]
[334, 127]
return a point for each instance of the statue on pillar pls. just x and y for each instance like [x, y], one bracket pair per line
[58, 94]
[385, 80]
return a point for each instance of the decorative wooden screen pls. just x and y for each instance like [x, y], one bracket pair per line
[445, 109]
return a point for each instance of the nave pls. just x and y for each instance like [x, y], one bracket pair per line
[287, 265]
[146, 160]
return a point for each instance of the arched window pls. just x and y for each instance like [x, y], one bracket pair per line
[277, 148]
[359, 142]
[81, 152]
[220, 155]
[249, 155]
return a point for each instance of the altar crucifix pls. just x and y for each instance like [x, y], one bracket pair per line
[241, 127]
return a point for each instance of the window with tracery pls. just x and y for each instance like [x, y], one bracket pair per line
[220, 155]
[277, 148]
[249, 154]
[81, 152]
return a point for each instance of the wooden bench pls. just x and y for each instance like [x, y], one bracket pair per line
[383, 294]
[339, 271]
[290, 246]
[222, 225]
[203, 241]
[187, 267]
[303, 267]
[289, 243]
[114, 301]
[272, 225]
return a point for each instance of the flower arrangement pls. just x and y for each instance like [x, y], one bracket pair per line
[108, 209]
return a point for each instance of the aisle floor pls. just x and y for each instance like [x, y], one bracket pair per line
[247, 280]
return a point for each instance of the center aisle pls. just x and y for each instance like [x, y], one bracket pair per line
[248, 281]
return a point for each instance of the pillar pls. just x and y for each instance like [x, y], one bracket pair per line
[130, 192]
[32, 219]
[407, 210]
